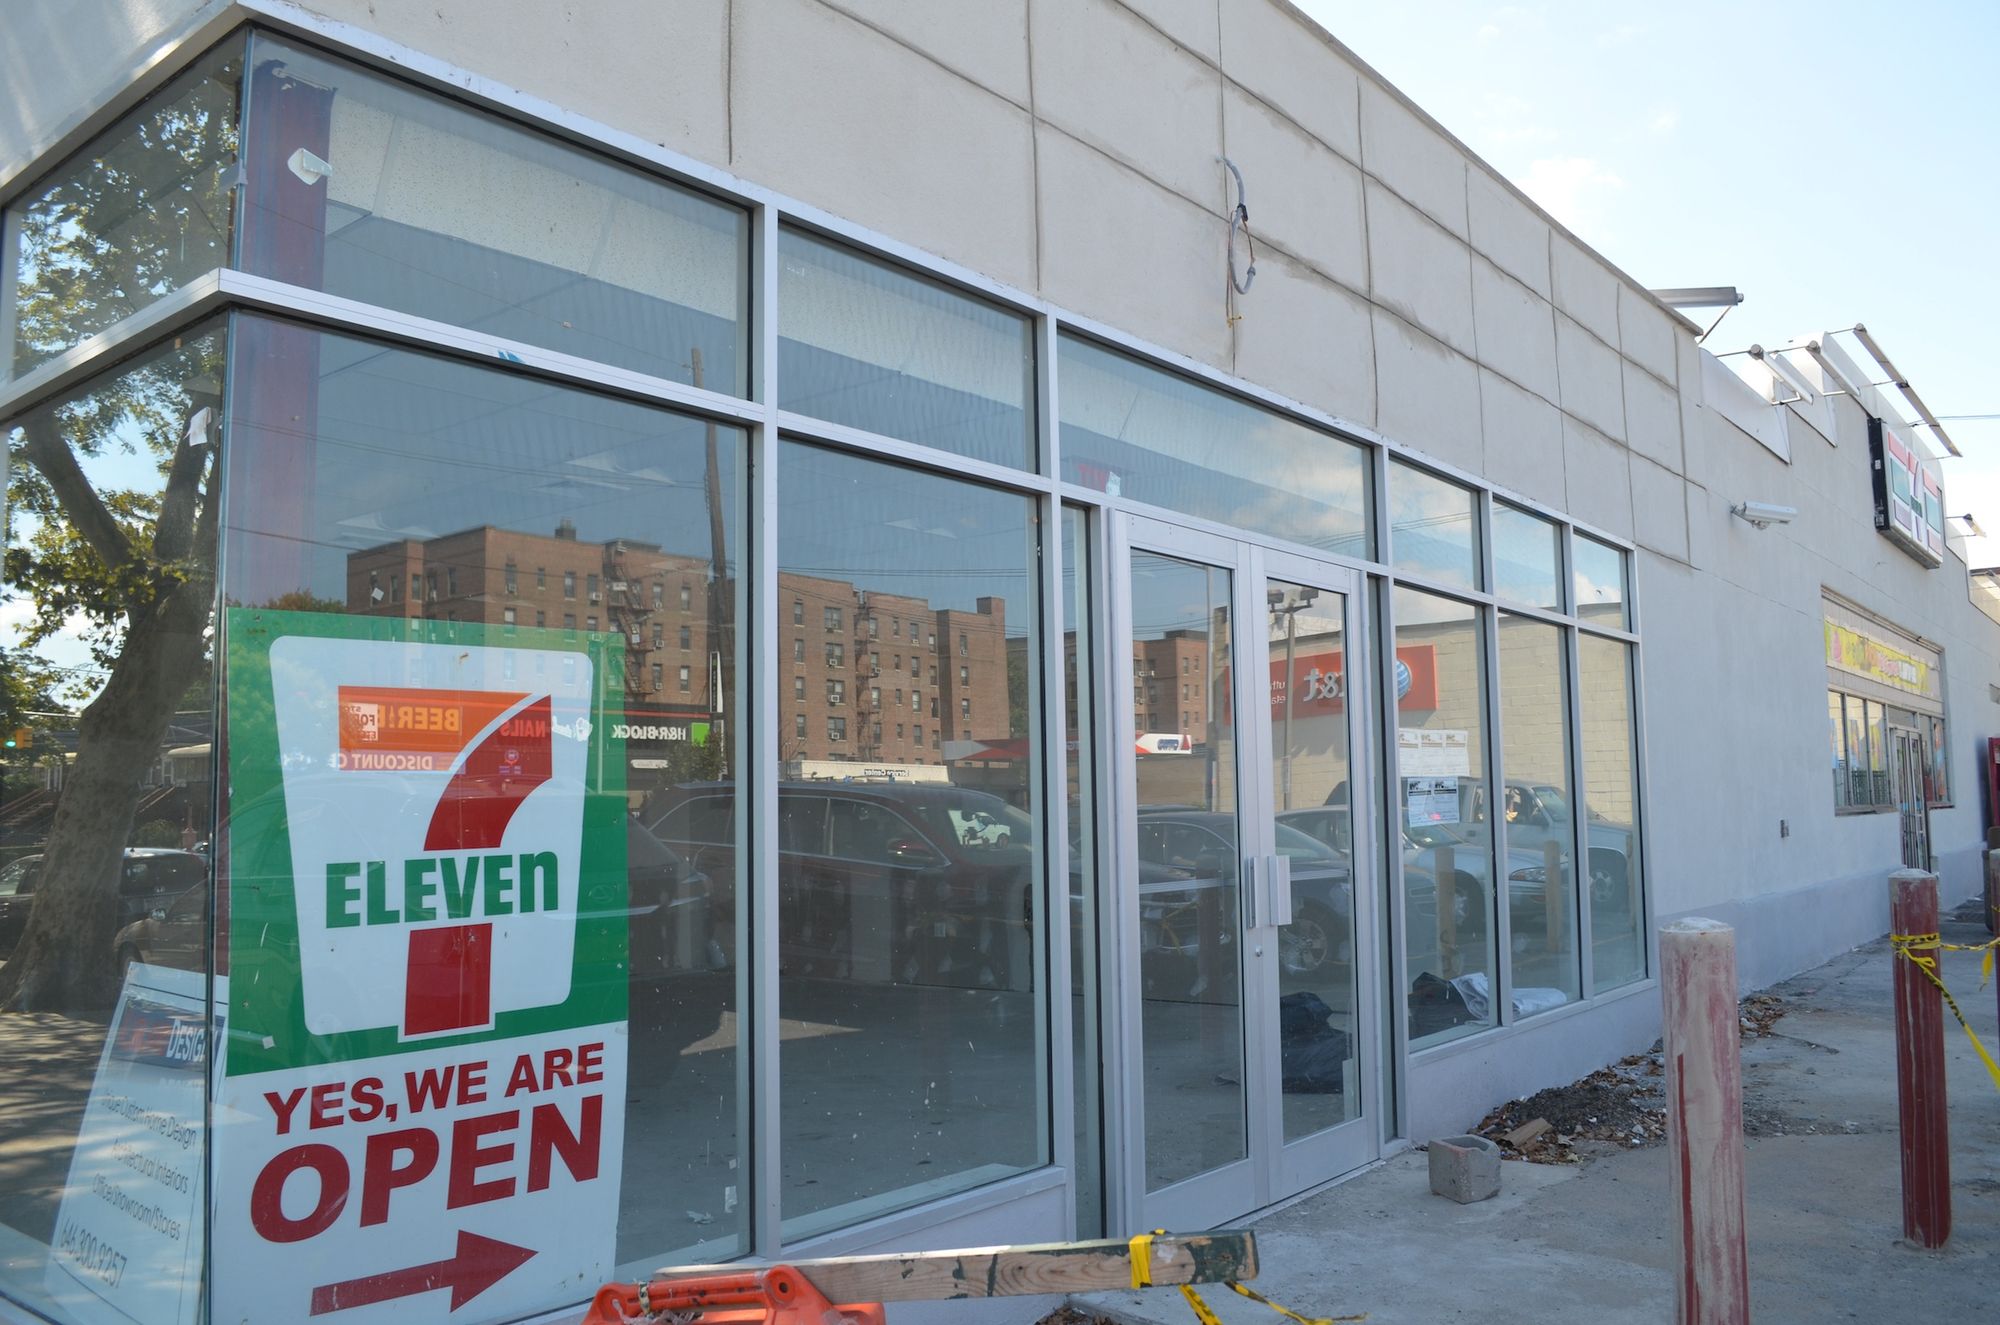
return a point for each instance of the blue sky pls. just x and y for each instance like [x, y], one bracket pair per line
[1836, 162]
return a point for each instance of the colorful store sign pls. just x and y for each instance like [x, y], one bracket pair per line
[1909, 503]
[1319, 681]
[422, 1100]
[1850, 650]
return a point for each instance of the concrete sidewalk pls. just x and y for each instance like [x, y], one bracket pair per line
[1591, 1243]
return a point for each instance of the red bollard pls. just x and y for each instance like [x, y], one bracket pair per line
[1705, 1122]
[1913, 911]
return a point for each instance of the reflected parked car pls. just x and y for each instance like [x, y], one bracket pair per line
[1175, 916]
[148, 877]
[879, 882]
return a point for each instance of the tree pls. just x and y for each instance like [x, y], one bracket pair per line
[116, 491]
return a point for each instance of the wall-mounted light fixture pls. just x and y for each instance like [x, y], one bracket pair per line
[1764, 514]
[1971, 525]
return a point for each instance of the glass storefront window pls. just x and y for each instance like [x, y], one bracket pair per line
[865, 344]
[105, 961]
[1611, 812]
[444, 834]
[1535, 804]
[138, 214]
[1140, 432]
[429, 207]
[1875, 720]
[1444, 814]
[908, 890]
[1526, 558]
[1085, 908]
[1837, 737]
[1938, 783]
[1600, 582]
[1433, 527]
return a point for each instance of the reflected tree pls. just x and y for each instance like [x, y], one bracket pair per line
[116, 490]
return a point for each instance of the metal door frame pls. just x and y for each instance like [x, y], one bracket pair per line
[1272, 1168]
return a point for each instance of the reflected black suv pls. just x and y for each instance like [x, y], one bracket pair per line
[148, 877]
[879, 882]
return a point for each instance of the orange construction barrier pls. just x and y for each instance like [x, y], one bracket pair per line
[773, 1295]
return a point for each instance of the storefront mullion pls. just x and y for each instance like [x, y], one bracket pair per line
[1496, 740]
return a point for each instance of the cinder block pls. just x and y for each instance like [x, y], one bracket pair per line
[1465, 1168]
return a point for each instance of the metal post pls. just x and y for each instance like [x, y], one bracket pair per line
[1705, 1122]
[1920, 1097]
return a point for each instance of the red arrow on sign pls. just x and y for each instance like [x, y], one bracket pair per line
[479, 1264]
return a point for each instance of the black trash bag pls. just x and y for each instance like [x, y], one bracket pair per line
[1436, 1005]
[1312, 1051]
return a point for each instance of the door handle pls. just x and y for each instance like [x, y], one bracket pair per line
[1278, 909]
[1248, 885]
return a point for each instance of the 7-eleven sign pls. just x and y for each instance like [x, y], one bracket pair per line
[450, 870]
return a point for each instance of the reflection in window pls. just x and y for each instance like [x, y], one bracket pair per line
[1079, 662]
[401, 462]
[1136, 431]
[1535, 805]
[1600, 582]
[104, 819]
[439, 210]
[867, 345]
[135, 216]
[1610, 800]
[1526, 560]
[1444, 807]
[1433, 527]
[906, 946]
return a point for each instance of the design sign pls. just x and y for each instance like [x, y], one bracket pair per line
[421, 1101]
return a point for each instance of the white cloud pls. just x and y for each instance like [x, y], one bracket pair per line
[1566, 187]
[1620, 35]
[1489, 33]
[1664, 121]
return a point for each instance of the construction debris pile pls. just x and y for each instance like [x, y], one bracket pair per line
[1623, 1105]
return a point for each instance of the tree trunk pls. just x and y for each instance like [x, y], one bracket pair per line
[64, 961]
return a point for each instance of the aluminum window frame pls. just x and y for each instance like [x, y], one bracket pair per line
[758, 605]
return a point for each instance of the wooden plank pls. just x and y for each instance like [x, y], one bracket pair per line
[1056, 1267]
[1526, 1132]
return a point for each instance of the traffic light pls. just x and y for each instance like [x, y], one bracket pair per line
[20, 739]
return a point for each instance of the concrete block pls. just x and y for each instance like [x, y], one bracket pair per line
[1421, 272]
[1646, 333]
[878, 107]
[1307, 196]
[1426, 393]
[1192, 23]
[1523, 440]
[987, 42]
[1465, 1169]
[1290, 62]
[1403, 151]
[1592, 383]
[1585, 288]
[1652, 417]
[1507, 230]
[1118, 247]
[1107, 77]
[1597, 479]
[1309, 338]
[1515, 329]
[1659, 509]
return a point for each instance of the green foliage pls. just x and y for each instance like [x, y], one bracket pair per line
[157, 833]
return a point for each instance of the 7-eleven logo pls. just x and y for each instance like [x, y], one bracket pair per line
[438, 838]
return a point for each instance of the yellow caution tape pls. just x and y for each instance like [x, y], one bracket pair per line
[1141, 1247]
[1908, 946]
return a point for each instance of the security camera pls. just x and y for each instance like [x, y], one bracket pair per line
[1764, 513]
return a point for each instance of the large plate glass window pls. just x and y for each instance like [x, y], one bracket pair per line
[1611, 810]
[869, 345]
[1444, 817]
[1140, 432]
[1600, 583]
[1433, 527]
[365, 187]
[141, 212]
[105, 862]
[396, 524]
[908, 902]
[1535, 807]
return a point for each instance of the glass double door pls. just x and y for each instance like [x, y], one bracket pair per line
[1245, 910]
